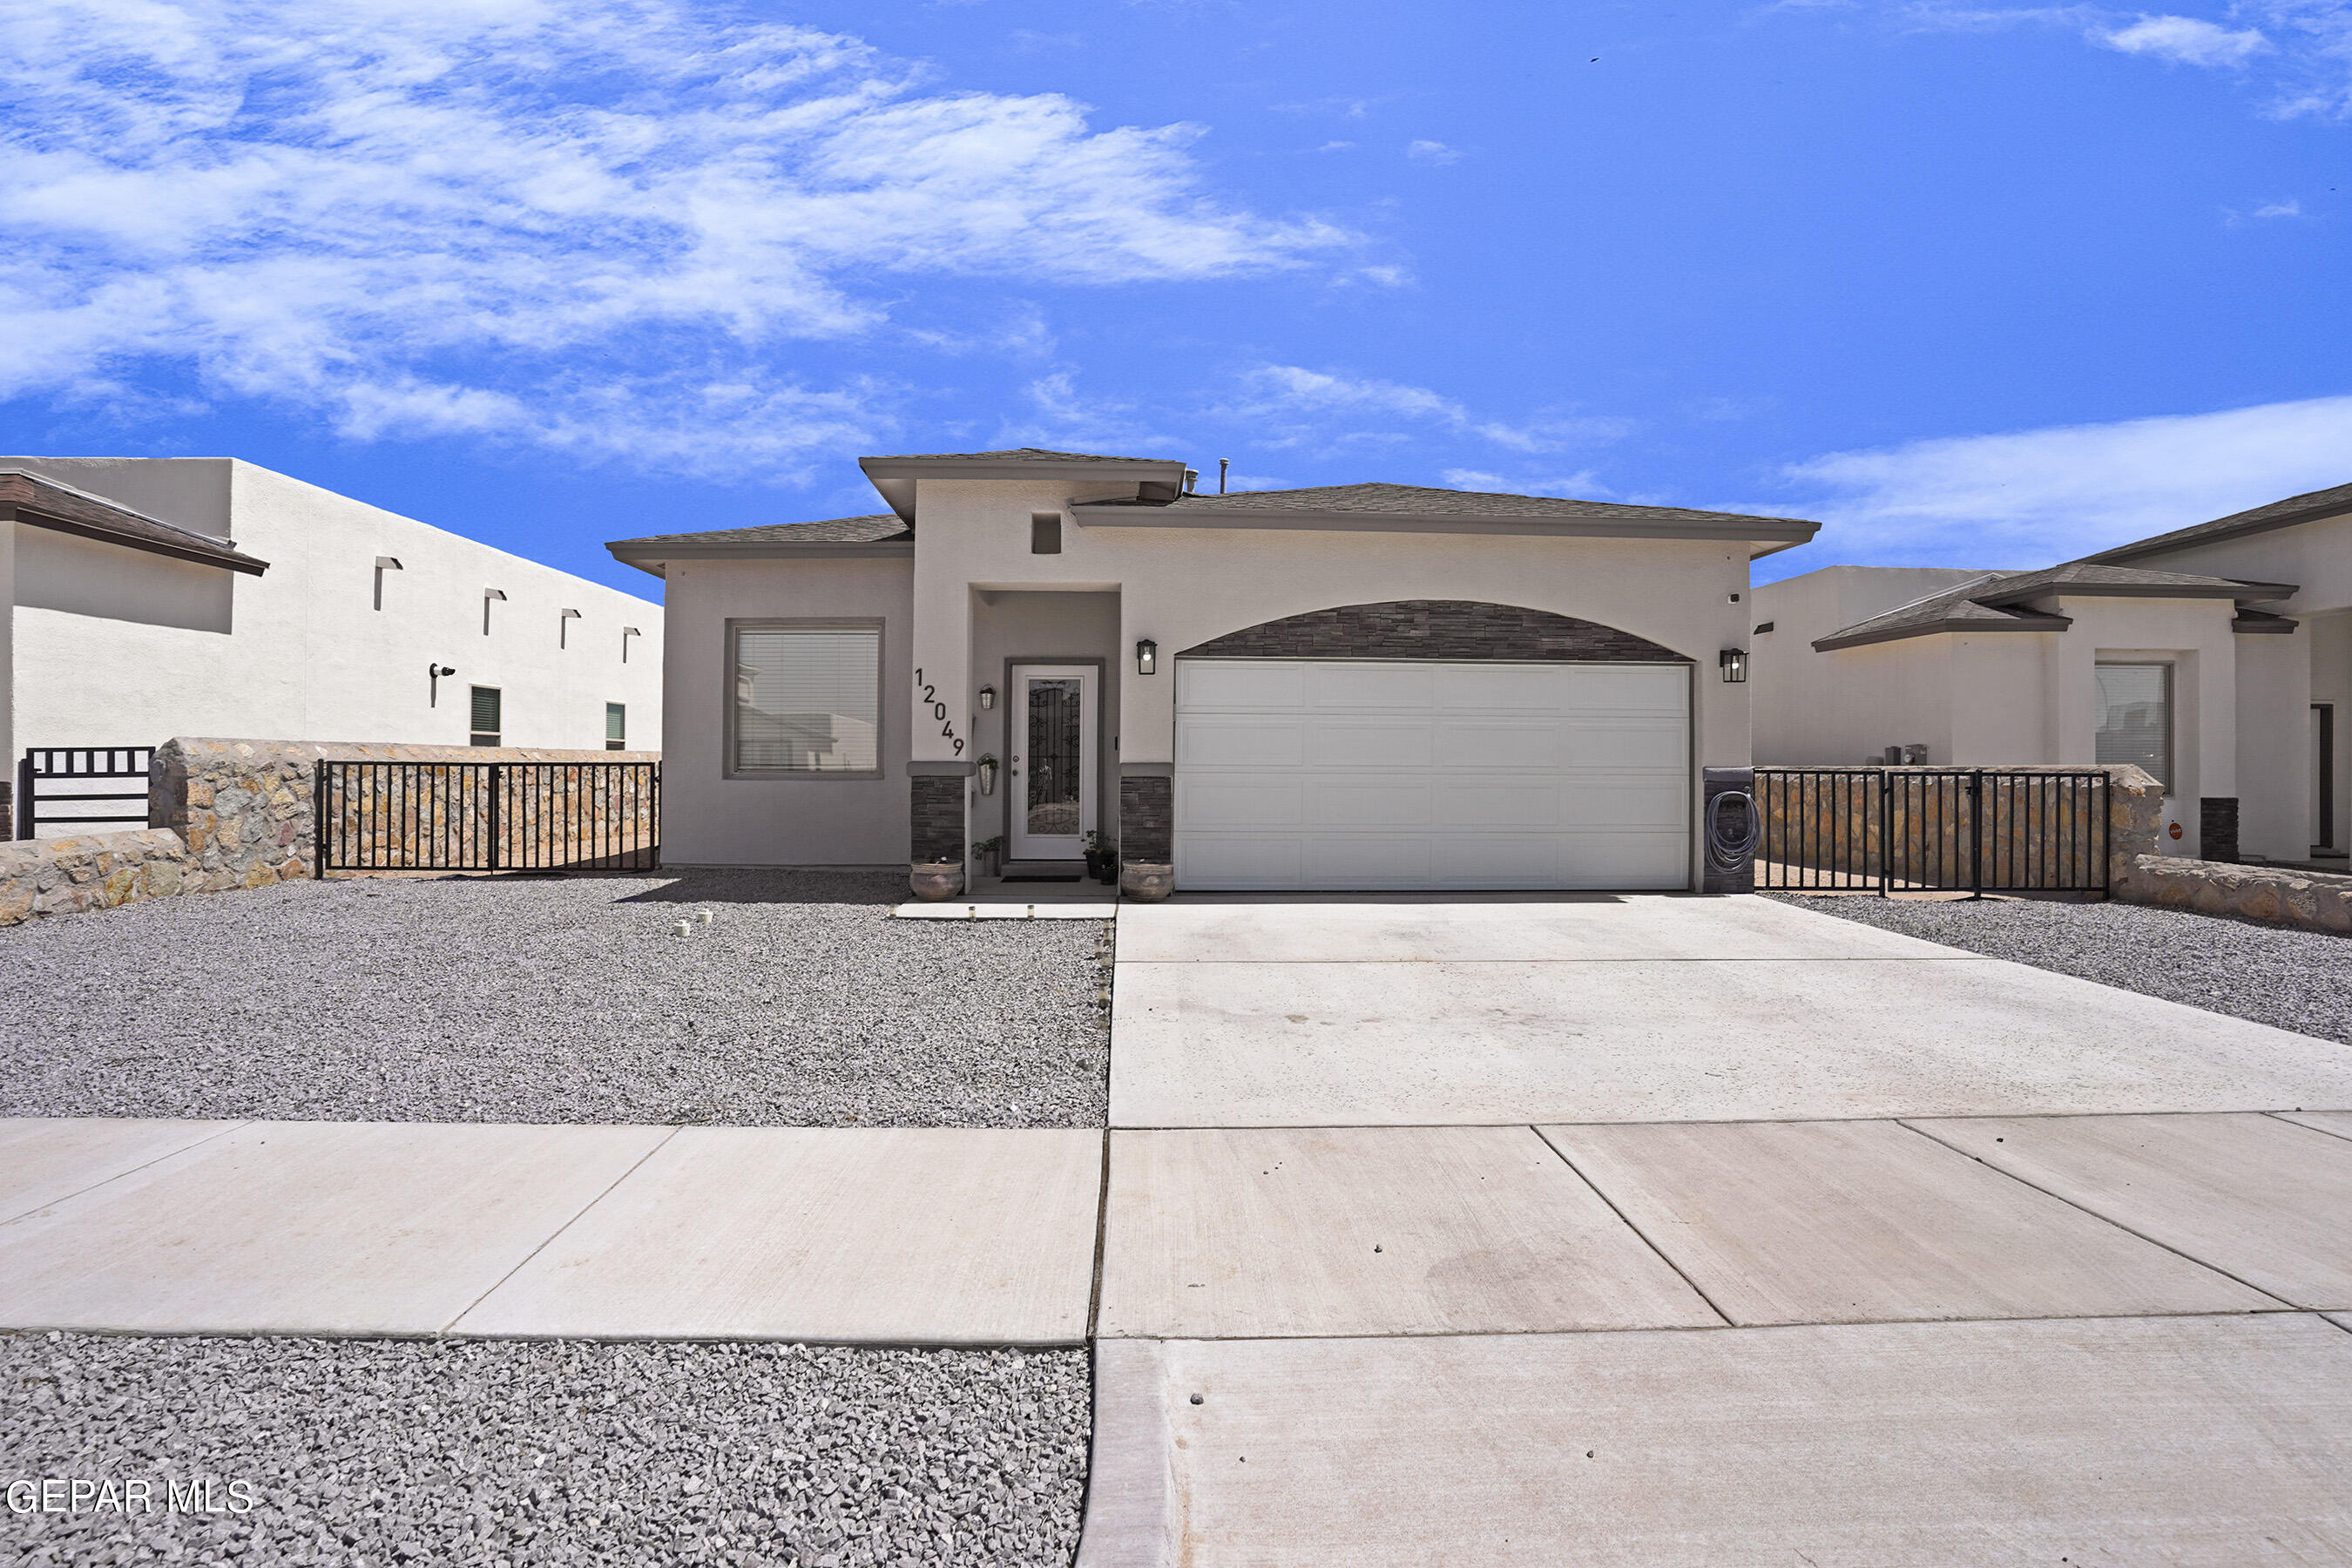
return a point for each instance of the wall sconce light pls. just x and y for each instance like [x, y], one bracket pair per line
[1734, 661]
[562, 630]
[1147, 658]
[433, 674]
[626, 633]
[384, 563]
[988, 696]
[490, 596]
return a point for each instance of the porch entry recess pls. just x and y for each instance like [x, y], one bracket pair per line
[1053, 749]
[1976, 830]
[1405, 775]
[61, 775]
[488, 817]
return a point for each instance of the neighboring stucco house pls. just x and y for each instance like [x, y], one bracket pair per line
[2219, 656]
[158, 597]
[1353, 686]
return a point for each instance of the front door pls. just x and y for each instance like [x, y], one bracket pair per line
[1052, 775]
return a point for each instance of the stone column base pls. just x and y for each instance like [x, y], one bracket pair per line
[1146, 882]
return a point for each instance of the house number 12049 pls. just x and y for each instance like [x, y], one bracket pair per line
[939, 711]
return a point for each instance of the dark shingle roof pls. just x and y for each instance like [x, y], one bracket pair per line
[871, 530]
[2306, 507]
[1991, 603]
[1424, 501]
[45, 502]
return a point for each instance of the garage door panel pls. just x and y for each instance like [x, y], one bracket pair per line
[1499, 687]
[1337, 688]
[1222, 686]
[1215, 802]
[1541, 744]
[1370, 803]
[1455, 775]
[1365, 860]
[1369, 744]
[1244, 860]
[1241, 741]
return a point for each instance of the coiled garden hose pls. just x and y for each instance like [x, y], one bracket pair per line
[1731, 851]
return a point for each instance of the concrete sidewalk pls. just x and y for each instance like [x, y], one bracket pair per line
[899, 1236]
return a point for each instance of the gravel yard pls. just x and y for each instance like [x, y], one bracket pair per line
[801, 1004]
[2296, 980]
[466, 1452]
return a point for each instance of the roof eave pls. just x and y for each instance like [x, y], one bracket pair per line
[895, 478]
[1935, 628]
[2246, 592]
[221, 556]
[1771, 532]
[2188, 538]
[650, 555]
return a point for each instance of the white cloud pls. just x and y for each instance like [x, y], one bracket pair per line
[2186, 39]
[1296, 406]
[2289, 208]
[592, 226]
[2038, 496]
[1431, 153]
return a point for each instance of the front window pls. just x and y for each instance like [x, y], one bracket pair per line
[2136, 718]
[617, 727]
[807, 699]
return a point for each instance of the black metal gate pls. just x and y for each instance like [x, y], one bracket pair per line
[488, 817]
[1974, 830]
[43, 769]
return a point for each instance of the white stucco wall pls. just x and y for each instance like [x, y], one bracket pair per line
[710, 819]
[1847, 707]
[116, 646]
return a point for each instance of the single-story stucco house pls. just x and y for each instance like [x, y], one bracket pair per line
[2218, 657]
[1365, 686]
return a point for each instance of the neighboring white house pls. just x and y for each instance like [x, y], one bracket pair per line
[161, 597]
[2219, 656]
[1352, 686]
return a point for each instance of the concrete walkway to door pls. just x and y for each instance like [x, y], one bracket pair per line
[1666, 1231]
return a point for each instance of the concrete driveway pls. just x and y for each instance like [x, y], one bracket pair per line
[1641, 1009]
[1904, 1256]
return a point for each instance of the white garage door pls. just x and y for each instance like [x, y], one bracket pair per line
[1364, 774]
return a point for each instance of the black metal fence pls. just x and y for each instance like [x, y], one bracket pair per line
[52, 775]
[1977, 830]
[488, 817]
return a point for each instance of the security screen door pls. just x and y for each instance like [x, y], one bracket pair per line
[1052, 769]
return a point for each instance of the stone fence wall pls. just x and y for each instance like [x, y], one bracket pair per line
[2315, 900]
[224, 813]
[1842, 822]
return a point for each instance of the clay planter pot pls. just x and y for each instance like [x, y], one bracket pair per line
[933, 880]
[1150, 883]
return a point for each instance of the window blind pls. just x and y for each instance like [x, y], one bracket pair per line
[807, 699]
[485, 710]
[2135, 717]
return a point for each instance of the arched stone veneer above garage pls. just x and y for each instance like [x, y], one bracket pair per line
[1438, 628]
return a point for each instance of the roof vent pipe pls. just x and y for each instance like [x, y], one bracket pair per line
[1190, 475]
[1222, 465]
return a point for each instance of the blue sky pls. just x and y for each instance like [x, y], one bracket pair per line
[1979, 286]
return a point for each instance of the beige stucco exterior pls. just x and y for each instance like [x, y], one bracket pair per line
[969, 596]
[2243, 724]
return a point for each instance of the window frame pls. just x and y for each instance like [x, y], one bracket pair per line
[735, 625]
[2171, 776]
[621, 744]
[498, 700]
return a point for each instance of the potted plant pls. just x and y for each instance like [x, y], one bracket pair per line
[1102, 861]
[986, 770]
[931, 880]
[989, 852]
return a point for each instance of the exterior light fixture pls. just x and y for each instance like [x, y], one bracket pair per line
[1147, 658]
[433, 674]
[384, 563]
[987, 699]
[1734, 662]
[626, 633]
[562, 630]
[490, 596]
